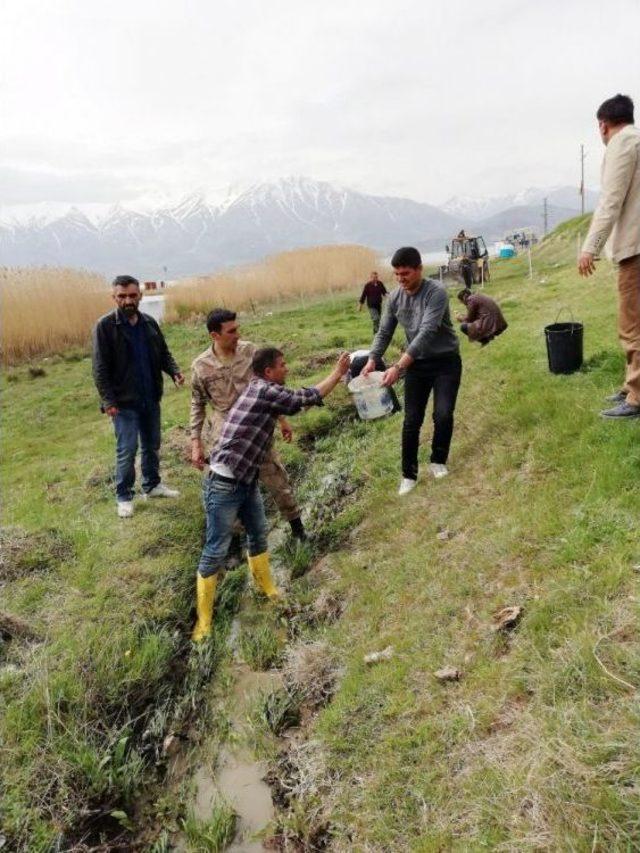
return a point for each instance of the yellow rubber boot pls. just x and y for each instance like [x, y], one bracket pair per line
[261, 572]
[205, 595]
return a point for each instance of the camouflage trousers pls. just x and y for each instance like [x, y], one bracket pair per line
[272, 475]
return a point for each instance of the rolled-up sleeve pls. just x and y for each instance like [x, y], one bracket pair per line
[429, 325]
[285, 401]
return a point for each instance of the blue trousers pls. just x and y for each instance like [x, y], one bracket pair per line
[128, 425]
[225, 501]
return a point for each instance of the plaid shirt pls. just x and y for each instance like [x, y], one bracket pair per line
[248, 430]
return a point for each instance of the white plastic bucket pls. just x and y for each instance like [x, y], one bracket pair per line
[371, 399]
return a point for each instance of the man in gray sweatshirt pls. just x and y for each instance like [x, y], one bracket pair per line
[431, 360]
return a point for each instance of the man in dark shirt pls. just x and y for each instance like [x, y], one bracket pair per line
[231, 488]
[129, 356]
[431, 360]
[373, 292]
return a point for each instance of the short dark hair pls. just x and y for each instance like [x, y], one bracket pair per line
[407, 256]
[125, 281]
[463, 293]
[616, 110]
[263, 358]
[217, 317]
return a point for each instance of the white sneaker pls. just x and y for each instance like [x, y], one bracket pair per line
[125, 509]
[439, 471]
[406, 485]
[162, 491]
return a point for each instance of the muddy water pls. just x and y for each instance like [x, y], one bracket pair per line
[238, 777]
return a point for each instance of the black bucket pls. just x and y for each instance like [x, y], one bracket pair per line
[564, 346]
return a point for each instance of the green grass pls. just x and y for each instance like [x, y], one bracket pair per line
[212, 835]
[260, 645]
[277, 711]
[535, 748]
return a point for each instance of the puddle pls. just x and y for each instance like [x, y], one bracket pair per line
[238, 777]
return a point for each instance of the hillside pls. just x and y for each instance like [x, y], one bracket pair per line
[535, 747]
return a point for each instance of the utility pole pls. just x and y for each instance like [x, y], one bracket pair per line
[582, 156]
[545, 215]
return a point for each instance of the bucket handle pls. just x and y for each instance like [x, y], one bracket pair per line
[566, 308]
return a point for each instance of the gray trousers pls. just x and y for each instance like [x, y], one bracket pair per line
[374, 313]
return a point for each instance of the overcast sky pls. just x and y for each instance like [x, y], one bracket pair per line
[142, 100]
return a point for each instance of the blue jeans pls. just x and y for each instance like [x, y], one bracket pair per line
[225, 501]
[128, 425]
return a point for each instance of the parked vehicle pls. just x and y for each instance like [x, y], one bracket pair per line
[521, 238]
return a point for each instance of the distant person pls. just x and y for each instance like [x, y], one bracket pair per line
[466, 272]
[218, 376]
[373, 292]
[484, 320]
[431, 361]
[129, 357]
[618, 211]
[231, 487]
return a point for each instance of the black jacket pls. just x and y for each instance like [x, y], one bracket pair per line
[113, 368]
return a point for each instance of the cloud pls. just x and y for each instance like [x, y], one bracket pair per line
[25, 186]
[421, 99]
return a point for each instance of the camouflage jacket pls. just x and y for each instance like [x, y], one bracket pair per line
[218, 383]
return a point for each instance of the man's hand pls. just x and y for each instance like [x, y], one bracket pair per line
[112, 411]
[460, 318]
[178, 379]
[285, 430]
[368, 368]
[390, 376]
[197, 454]
[586, 266]
[342, 365]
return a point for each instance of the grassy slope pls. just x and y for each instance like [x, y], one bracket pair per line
[535, 747]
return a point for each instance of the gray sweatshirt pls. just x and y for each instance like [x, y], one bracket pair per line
[426, 321]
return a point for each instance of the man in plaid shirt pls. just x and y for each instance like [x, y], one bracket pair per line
[231, 488]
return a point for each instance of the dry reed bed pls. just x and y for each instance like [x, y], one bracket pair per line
[48, 309]
[288, 275]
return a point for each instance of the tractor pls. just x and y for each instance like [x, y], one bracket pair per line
[468, 259]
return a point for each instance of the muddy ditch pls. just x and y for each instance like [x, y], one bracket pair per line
[277, 794]
[269, 773]
[182, 802]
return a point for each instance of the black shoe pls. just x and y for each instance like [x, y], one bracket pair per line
[618, 397]
[622, 410]
[297, 529]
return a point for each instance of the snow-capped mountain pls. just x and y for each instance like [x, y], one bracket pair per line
[195, 236]
[477, 208]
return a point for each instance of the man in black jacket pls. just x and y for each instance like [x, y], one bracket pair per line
[373, 292]
[129, 356]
